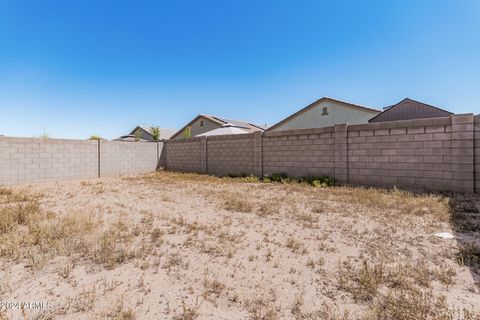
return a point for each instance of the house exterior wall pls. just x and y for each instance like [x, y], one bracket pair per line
[29, 160]
[432, 154]
[196, 128]
[337, 113]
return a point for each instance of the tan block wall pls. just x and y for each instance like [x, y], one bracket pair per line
[299, 152]
[404, 153]
[117, 157]
[477, 154]
[28, 160]
[437, 153]
[230, 154]
[183, 155]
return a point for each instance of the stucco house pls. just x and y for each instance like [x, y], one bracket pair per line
[143, 133]
[326, 112]
[409, 109]
[204, 123]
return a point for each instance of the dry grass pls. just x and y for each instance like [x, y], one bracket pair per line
[414, 304]
[138, 247]
[188, 312]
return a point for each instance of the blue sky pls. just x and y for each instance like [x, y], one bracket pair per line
[79, 68]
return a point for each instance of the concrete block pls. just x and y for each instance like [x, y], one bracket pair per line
[435, 129]
[416, 130]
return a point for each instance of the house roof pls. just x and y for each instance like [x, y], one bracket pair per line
[313, 104]
[222, 121]
[409, 109]
[164, 133]
[129, 138]
[223, 130]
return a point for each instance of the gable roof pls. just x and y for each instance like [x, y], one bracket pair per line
[164, 133]
[222, 121]
[409, 109]
[130, 138]
[313, 104]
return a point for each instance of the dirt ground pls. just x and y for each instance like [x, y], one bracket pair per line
[185, 246]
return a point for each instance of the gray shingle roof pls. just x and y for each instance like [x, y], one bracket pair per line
[409, 109]
[164, 133]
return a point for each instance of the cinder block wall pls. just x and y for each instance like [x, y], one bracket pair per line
[230, 154]
[117, 157]
[477, 153]
[403, 153]
[299, 152]
[438, 153]
[184, 155]
[27, 160]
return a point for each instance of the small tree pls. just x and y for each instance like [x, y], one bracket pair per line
[155, 132]
[187, 133]
[95, 137]
[137, 135]
[45, 135]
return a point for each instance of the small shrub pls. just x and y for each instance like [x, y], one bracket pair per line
[414, 304]
[5, 191]
[362, 283]
[155, 132]
[212, 287]
[156, 236]
[187, 132]
[250, 179]
[15, 215]
[323, 181]
[110, 252]
[469, 254]
[188, 312]
[235, 203]
[315, 181]
[445, 274]
[278, 177]
[262, 309]
[296, 246]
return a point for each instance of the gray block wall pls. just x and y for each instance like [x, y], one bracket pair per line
[27, 160]
[437, 153]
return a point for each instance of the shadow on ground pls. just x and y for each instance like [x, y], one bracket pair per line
[465, 219]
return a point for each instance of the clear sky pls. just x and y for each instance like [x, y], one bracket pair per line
[84, 67]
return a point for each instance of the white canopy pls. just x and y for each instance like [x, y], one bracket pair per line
[225, 129]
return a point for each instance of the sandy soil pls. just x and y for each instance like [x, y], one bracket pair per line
[181, 246]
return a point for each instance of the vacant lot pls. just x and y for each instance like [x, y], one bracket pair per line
[184, 246]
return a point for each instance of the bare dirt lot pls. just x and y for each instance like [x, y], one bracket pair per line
[185, 246]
